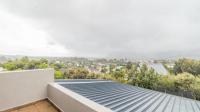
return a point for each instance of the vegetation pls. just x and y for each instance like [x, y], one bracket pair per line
[187, 65]
[58, 74]
[183, 79]
[144, 77]
[25, 63]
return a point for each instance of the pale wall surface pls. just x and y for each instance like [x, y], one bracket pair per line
[69, 101]
[22, 87]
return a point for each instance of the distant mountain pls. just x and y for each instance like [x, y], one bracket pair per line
[4, 58]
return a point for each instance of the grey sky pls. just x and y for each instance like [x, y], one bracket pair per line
[109, 28]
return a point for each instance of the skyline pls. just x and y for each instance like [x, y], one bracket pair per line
[128, 29]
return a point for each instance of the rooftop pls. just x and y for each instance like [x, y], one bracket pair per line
[125, 98]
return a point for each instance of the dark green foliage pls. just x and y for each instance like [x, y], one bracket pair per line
[187, 65]
[57, 66]
[25, 64]
[9, 65]
[184, 84]
[77, 73]
[145, 77]
[104, 70]
[118, 74]
[129, 65]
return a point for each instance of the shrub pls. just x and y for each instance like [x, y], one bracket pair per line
[166, 83]
[195, 88]
[58, 74]
[184, 81]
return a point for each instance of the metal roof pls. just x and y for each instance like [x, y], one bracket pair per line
[126, 98]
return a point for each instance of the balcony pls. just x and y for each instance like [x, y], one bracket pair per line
[37, 91]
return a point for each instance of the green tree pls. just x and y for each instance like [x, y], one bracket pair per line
[166, 83]
[10, 65]
[111, 68]
[146, 78]
[187, 65]
[43, 60]
[132, 72]
[129, 65]
[57, 66]
[195, 88]
[104, 70]
[118, 74]
[78, 73]
[43, 65]
[24, 59]
[184, 81]
[58, 74]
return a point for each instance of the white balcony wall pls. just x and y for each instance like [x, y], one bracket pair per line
[22, 87]
[69, 101]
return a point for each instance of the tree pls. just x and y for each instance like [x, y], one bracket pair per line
[195, 88]
[30, 65]
[132, 73]
[129, 65]
[58, 74]
[24, 59]
[146, 78]
[57, 66]
[187, 65]
[166, 83]
[10, 65]
[43, 65]
[184, 81]
[81, 73]
[118, 74]
[24, 64]
[103, 69]
[111, 67]
[43, 60]
[78, 73]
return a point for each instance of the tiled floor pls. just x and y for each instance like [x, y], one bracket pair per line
[41, 106]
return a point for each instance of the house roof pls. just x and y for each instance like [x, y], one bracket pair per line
[126, 98]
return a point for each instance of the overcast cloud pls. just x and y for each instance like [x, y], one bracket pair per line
[101, 28]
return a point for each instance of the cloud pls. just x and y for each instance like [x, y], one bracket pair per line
[18, 36]
[115, 28]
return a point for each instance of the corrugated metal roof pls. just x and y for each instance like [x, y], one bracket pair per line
[126, 98]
